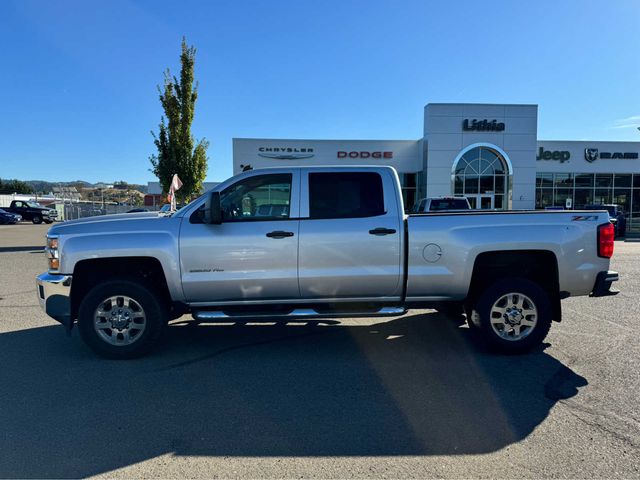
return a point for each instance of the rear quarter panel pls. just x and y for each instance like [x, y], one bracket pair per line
[460, 238]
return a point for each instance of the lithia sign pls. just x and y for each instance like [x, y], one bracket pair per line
[482, 125]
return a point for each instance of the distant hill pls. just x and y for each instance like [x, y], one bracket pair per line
[42, 186]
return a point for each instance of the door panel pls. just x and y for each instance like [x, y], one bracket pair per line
[349, 257]
[238, 261]
[252, 255]
[340, 258]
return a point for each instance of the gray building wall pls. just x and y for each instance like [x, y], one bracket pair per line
[446, 139]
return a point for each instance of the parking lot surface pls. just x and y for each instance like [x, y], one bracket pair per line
[412, 396]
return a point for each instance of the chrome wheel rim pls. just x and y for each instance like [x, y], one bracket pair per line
[513, 316]
[119, 320]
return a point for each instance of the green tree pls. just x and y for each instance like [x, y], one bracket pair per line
[15, 186]
[177, 150]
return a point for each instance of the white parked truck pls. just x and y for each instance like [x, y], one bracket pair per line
[442, 204]
[307, 242]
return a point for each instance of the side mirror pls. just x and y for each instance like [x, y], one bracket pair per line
[212, 212]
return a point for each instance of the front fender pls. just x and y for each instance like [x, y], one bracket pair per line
[161, 245]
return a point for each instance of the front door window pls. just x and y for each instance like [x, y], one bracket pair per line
[486, 202]
[481, 175]
[482, 202]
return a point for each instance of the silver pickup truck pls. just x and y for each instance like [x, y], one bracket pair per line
[311, 242]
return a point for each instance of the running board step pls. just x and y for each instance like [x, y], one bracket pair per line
[209, 315]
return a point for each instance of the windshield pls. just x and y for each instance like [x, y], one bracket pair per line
[34, 205]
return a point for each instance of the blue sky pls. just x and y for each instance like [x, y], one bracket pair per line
[79, 77]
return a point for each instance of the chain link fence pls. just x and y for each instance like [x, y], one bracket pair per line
[74, 211]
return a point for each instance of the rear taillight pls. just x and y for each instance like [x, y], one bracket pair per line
[606, 233]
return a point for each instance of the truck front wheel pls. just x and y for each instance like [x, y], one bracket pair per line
[121, 319]
[514, 315]
[37, 219]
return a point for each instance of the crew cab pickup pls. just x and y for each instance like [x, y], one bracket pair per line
[32, 211]
[310, 242]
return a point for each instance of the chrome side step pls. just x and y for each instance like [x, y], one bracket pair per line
[213, 315]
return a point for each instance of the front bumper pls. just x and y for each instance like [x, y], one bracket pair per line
[602, 287]
[54, 293]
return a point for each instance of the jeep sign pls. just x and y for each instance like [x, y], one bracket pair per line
[559, 155]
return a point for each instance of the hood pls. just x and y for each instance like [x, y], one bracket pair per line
[117, 222]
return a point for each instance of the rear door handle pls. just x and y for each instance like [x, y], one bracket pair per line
[382, 231]
[279, 234]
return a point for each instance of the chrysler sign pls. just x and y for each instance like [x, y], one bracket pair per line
[285, 153]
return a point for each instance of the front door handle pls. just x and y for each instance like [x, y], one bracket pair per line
[279, 234]
[382, 231]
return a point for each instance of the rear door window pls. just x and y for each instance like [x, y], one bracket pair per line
[345, 195]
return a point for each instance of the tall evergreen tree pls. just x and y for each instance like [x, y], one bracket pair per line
[177, 150]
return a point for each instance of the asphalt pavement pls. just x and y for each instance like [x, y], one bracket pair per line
[413, 396]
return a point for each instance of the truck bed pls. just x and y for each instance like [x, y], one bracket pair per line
[443, 247]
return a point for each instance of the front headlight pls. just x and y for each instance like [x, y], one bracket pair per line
[53, 254]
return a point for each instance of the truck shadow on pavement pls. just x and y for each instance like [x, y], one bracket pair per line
[416, 385]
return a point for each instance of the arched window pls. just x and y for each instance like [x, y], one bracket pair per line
[482, 171]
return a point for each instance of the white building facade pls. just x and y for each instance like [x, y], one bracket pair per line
[487, 152]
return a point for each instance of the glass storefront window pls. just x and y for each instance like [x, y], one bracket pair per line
[583, 196]
[408, 180]
[602, 195]
[634, 218]
[606, 188]
[622, 196]
[584, 180]
[471, 184]
[481, 170]
[544, 197]
[458, 185]
[486, 184]
[563, 180]
[561, 195]
[544, 180]
[409, 198]
[409, 183]
[622, 180]
[604, 179]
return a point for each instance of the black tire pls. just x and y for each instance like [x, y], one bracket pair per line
[535, 335]
[37, 219]
[155, 314]
[48, 222]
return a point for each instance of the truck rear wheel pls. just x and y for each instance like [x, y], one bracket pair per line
[121, 319]
[37, 219]
[514, 315]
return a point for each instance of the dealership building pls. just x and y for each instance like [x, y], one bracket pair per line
[488, 153]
